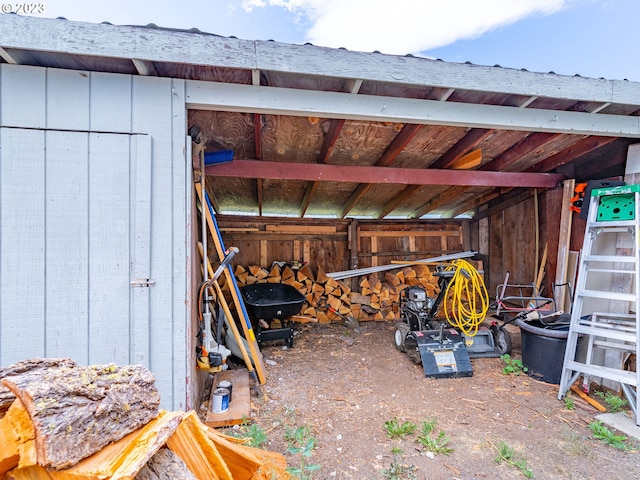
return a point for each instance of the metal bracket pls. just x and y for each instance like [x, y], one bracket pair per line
[142, 282]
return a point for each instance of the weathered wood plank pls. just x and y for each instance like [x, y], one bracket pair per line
[22, 181]
[23, 96]
[68, 100]
[109, 237]
[67, 245]
[110, 98]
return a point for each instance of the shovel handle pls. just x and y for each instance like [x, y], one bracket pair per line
[225, 262]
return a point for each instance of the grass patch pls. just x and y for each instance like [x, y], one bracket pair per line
[435, 443]
[395, 429]
[507, 455]
[398, 470]
[602, 433]
[614, 402]
[569, 404]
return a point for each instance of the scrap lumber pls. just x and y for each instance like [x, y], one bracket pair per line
[591, 401]
[108, 402]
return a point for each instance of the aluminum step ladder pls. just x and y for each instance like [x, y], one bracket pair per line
[605, 317]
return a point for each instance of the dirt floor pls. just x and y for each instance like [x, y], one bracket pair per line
[345, 385]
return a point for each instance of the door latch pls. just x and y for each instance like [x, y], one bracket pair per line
[142, 282]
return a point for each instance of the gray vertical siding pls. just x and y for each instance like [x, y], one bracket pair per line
[93, 195]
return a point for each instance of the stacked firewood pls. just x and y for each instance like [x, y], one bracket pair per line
[328, 299]
[62, 421]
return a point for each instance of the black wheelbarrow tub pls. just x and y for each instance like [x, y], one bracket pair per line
[272, 300]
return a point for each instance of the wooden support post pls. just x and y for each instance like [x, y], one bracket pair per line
[562, 264]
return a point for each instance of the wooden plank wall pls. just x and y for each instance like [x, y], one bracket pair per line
[506, 240]
[328, 243]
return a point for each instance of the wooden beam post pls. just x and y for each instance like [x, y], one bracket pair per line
[562, 264]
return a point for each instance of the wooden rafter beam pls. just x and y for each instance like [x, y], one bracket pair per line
[308, 195]
[357, 194]
[380, 175]
[257, 134]
[7, 57]
[523, 147]
[396, 146]
[393, 150]
[329, 141]
[474, 203]
[144, 68]
[463, 146]
[514, 198]
[442, 199]
[399, 199]
[578, 149]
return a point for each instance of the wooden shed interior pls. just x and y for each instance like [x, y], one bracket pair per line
[366, 141]
[345, 160]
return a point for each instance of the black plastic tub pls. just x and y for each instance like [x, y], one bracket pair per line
[543, 349]
[272, 300]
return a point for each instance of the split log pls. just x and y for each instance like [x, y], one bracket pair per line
[192, 444]
[287, 273]
[305, 273]
[76, 411]
[321, 277]
[122, 459]
[392, 278]
[249, 462]
[17, 437]
[165, 465]
[359, 298]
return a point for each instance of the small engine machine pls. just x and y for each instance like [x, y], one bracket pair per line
[442, 348]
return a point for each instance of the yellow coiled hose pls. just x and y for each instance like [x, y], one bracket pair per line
[466, 298]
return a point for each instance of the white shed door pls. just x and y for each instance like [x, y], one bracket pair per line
[74, 243]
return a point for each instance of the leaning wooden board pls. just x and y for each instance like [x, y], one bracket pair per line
[240, 405]
[256, 355]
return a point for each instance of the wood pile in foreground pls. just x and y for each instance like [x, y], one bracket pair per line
[62, 421]
[377, 299]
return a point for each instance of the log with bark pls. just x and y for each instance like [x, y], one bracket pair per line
[6, 396]
[77, 410]
[171, 445]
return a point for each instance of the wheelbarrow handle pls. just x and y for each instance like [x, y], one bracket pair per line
[225, 262]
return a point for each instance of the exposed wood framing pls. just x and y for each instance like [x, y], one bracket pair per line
[282, 101]
[399, 142]
[355, 174]
[471, 140]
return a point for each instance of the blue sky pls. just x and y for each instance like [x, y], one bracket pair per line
[591, 38]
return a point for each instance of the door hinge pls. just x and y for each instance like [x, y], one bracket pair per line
[142, 282]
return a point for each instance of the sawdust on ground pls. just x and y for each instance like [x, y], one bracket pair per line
[346, 384]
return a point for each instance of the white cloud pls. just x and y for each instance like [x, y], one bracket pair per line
[406, 26]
